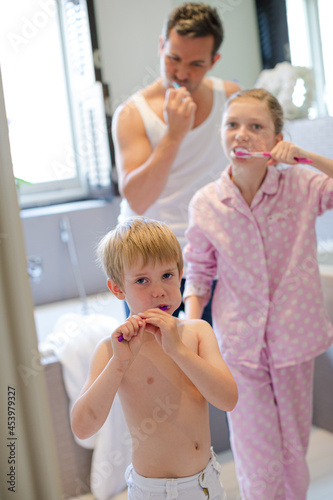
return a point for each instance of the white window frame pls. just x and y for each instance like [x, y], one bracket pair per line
[89, 152]
[314, 47]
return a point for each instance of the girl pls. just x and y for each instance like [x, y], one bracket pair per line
[255, 229]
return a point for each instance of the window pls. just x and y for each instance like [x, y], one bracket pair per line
[54, 106]
[311, 40]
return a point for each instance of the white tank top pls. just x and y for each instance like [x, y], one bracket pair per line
[200, 160]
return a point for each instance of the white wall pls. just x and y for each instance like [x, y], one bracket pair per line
[128, 32]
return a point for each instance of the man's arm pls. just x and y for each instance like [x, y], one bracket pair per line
[143, 171]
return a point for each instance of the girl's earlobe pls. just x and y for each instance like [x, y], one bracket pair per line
[279, 137]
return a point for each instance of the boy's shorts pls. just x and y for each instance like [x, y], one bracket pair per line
[202, 486]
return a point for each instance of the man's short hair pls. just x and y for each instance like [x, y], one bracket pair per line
[134, 238]
[195, 20]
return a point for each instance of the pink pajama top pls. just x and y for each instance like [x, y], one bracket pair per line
[265, 257]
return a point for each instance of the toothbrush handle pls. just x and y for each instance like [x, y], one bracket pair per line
[303, 160]
[300, 160]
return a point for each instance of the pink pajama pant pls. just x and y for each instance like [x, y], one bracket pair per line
[270, 429]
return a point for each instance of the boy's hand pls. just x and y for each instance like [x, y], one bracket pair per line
[132, 333]
[164, 327]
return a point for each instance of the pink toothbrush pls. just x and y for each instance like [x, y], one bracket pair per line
[164, 308]
[264, 154]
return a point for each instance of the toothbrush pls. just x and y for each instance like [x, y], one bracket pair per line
[164, 308]
[264, 154]
[175, 85]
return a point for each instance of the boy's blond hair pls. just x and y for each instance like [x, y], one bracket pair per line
[137, 237]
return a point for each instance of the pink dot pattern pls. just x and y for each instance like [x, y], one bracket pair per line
[265, 259]
[270, 429]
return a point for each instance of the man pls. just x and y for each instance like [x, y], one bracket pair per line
[166, 139]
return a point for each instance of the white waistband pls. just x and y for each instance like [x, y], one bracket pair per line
[159, 485]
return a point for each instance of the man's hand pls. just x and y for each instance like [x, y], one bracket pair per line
[179, 112]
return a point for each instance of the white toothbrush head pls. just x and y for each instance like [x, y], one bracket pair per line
[249, 154]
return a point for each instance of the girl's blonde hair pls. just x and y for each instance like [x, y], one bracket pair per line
[137, 237]
[267, 98]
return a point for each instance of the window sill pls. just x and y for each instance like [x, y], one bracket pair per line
[63, 208]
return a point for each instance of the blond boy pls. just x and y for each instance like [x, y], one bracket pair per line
[164, 369]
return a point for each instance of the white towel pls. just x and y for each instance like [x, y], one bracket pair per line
[74, 340]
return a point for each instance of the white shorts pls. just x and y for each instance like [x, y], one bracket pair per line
[202, 486]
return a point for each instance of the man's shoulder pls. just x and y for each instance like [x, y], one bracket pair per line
[125, 111]
[126, 120]
[228, 86]
[154, 96]
[154, 90]
[231, 87]
[129, 110]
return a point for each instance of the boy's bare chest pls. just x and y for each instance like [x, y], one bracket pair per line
[153, 371]
[154, 378]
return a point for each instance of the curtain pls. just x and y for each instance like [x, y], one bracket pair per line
[89, 96]
[273, 32]
[28, 463]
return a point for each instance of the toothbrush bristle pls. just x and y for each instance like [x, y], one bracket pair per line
[241, 153]
[256, 154]
[235, 154]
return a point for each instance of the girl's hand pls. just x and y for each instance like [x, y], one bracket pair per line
[132, 333]
[164, 327]
[286, 152]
